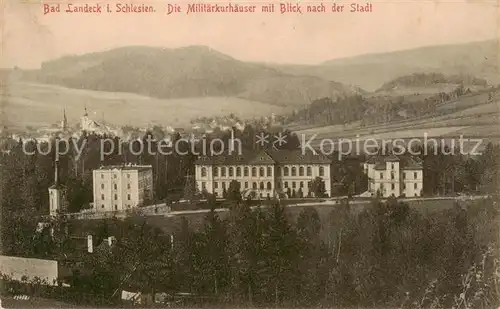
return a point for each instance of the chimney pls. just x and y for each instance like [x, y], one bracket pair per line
[56, 172]
[90, 246]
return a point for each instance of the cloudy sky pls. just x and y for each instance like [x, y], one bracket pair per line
[30, 37]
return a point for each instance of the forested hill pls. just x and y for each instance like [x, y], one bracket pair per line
[432, 79]
[188, 72]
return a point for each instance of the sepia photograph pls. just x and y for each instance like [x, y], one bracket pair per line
[245, 154]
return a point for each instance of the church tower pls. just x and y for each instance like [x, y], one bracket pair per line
[84, 121]
[57, 194]
[64, 122]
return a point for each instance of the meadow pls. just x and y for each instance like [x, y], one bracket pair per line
[30, 104]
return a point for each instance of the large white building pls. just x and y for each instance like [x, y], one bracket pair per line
[122, 187]
[394, 176]
[266, 173]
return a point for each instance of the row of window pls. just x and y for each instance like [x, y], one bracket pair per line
[115, 197]
[115, 186]
[255, 185]
[116, 206]
[261, 171]
[393, 186]
[114, 176]
[415, 174]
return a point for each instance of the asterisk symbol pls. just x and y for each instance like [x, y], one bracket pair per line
[262, 139]
[280, 140]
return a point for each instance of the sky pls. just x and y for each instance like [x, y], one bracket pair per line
[29, 37]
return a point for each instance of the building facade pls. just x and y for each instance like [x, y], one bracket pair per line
[122, 187]
[58, 202]
[394, 176]
[265, 174]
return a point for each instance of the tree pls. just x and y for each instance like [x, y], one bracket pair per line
[190, 189]
[318, 187]
[234, 194]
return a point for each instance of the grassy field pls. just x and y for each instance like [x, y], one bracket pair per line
[472, 116]
[28, 104]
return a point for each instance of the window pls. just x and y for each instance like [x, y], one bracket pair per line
[102, 206]
[216, 171]
[115, 186]
[102, 196]
[216, 185]
[415, 175]
[381, 175]
[321, 171]
[254, 185]
[309, 171]
[223, 172]
[293, 184]
[116, 197]
[393, 186]
[254, 172]
[392, 175]
[115, 176]
[223, 185]
[278, 171]
[231, 172]
[404, 175]
[203, 185]
[128, 197]
[269, 171]
[128, 186]
[102, 186]
[285, 171]
[262, 185]
[301, 171]
[246, 184]
[203, 172]
[294, 171]
[269, 187]
[238, 171]
[116, 207]
[302, 184]
[245, 171]
[261, 172]
[415, 186]
[404, 187]
[392, 166]
[286, 184]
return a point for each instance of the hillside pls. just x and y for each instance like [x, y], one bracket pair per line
[430, 83]
[371, 71]
[187, 72]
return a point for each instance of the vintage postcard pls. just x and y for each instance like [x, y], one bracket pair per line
[250, 154]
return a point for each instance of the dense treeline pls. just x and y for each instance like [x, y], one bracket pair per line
[424, 79]
[372, 110]
[387, 255]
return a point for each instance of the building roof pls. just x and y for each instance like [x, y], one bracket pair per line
[265, 157]
[405, 162]
[127, 167]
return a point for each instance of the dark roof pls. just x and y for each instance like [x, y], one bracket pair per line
[266, 157]
[57, 186]
[127, 167]
[405, 162]
[410, 163]
[299, 156]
